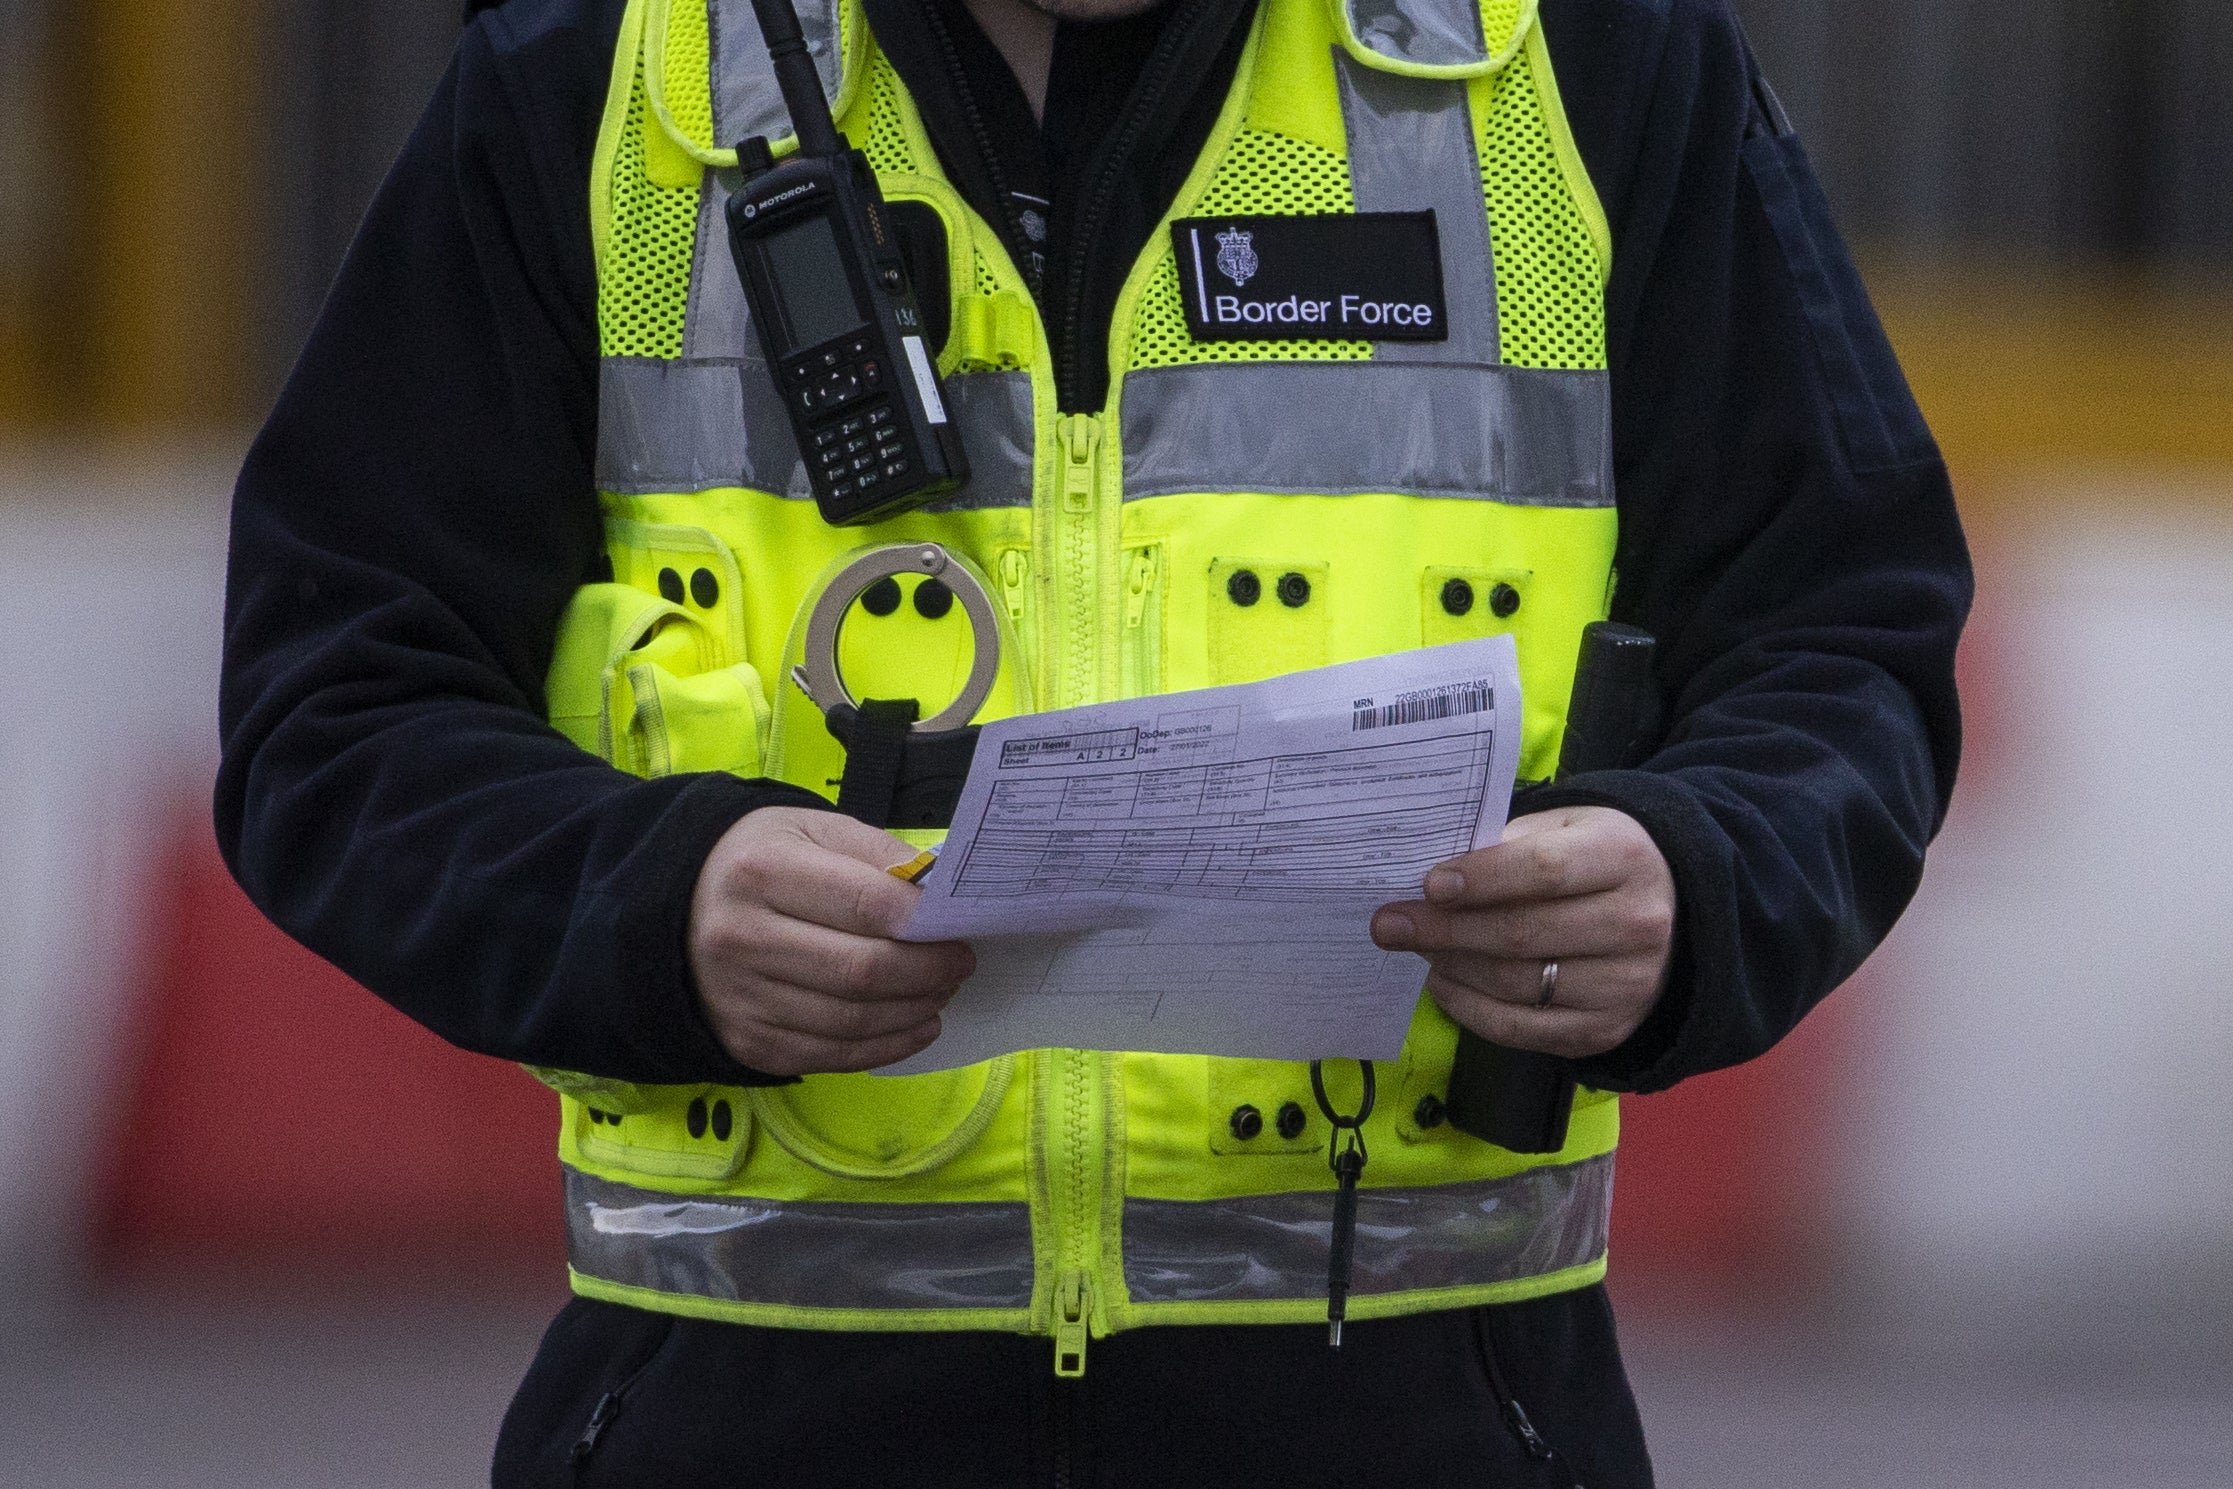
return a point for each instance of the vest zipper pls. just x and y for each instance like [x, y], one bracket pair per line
[1077, 519]
[1012, 577]
[1143, 624]
[1072, 1305]
[1073, 1157]
[1015, 575]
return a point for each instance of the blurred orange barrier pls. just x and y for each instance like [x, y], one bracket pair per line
[280, 1119]
[1727, 1189]
[283, 1120]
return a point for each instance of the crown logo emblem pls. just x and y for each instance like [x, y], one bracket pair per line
[1236, 256]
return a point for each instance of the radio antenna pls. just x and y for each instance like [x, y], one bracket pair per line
[800, 80]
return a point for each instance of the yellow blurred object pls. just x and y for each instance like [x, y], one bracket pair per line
[2019, 371]
[142, 310]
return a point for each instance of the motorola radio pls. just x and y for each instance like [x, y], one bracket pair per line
[830, 293]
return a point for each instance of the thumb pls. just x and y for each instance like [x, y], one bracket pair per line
[855, 840]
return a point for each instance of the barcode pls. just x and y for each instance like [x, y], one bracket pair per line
[1450, 704]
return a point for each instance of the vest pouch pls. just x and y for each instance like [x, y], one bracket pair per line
[639, 680]
[1420, 1084]
[674, 1132]
[1267, 617]
[595, 1090]
[1464, 603]
[1262, 1107]
[865, 1126]
[667, 724]
[602, 624]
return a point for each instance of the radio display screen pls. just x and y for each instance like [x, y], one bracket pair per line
[809, 277]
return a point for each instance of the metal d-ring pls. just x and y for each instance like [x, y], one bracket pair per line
[818, 676]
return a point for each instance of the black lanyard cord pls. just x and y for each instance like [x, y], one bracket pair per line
[1346, 1157]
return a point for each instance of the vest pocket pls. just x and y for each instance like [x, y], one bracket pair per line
[1458, 603]
[674, 1132]
[663, 724]
[881, 1126]
[639, 679]
[1267, 617]
[1261, 1107]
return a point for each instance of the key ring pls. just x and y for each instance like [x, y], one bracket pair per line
[1354, 1126]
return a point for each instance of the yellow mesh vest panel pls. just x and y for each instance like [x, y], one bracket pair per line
[886, 144]
[1265, 171]
[1550, 282]
[643, 276]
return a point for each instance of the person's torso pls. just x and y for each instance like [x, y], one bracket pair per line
[1234, 509]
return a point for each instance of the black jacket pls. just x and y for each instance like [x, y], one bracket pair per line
[415, 515]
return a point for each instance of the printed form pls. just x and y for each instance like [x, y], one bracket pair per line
[1196, 873]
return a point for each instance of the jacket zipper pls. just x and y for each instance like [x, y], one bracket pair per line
[608, 1408]
[1155, 78]
[981, 136]
[1515, 1416]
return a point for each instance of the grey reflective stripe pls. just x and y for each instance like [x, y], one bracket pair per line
[746, 101]
[800, 1255]
[696, 425]
[1430, 33]
[993, 412]
[1508, 434]
[1273, 1246]
[1411, 148]
[716, 323]
[692, 426]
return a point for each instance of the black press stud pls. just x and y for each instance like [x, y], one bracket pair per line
[670, 586]
[882, 597]
[1292, 1121]
[705, 589]
[1246, 1122]
[1457, 597]
[1428, 1114]
[596, 1117]
[1244, 588]
[696, 1117]
[933, 599]
[1504, 601]
[1294, 591]
[723, 1124]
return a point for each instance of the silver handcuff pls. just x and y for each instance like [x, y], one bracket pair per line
[818, 676]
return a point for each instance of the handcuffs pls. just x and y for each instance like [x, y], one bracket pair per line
[900, 770]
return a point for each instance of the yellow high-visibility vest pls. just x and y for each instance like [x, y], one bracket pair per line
[1425, 492]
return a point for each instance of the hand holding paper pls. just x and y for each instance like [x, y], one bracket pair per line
[1197, 872]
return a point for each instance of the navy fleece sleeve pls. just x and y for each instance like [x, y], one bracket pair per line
[405, 534]
[1787, 531]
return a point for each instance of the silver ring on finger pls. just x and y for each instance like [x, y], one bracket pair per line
[1549, 990]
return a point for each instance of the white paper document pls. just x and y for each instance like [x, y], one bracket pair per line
[1196, 873]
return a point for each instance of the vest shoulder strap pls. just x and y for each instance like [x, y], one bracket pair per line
[1434, 38]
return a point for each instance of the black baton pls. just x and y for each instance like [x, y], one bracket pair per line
[1519, 1099]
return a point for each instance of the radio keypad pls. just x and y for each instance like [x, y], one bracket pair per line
[859, 445]
[853, 454]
